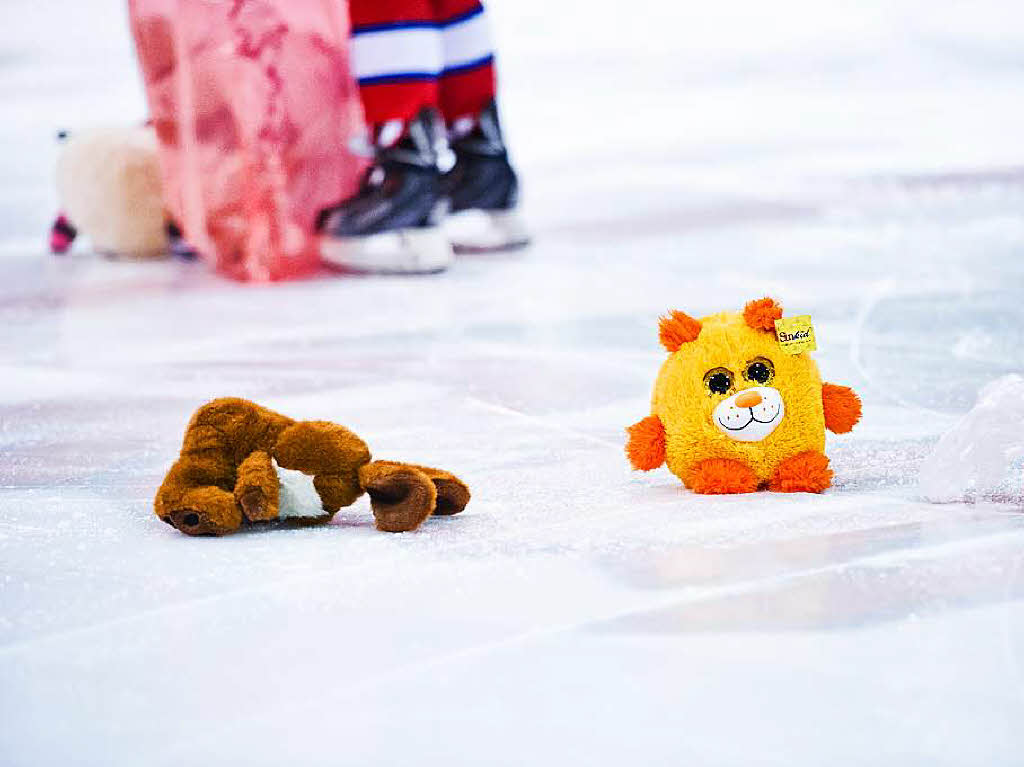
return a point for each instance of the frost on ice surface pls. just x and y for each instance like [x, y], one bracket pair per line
[980, 457]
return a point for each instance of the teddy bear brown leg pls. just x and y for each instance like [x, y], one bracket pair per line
[715, 476]
[452, 493]
[331, 454]
[806, 472]
[337, 490]
[401, 495]
[257, 489]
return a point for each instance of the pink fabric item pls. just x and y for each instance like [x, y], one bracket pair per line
[62, 234]
[255, 108]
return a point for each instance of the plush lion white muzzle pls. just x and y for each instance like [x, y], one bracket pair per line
[750, 415]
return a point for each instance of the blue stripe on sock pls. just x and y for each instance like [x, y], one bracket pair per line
[416, 77]
[392, 26]
[483, 60]
[399, 77]
[461, 17]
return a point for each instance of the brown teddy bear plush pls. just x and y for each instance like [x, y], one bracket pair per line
[227, 473]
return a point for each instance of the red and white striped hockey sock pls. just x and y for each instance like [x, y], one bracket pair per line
[410, 54]
[467, 82]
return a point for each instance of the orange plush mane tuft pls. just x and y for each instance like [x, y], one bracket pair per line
[762, 313]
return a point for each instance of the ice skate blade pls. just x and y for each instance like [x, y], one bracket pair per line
[404, 251]
[486, 231]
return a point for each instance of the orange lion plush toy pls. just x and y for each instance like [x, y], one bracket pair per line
[236, 454]
[733, 412]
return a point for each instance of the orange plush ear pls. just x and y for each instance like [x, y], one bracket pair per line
[676, 329]
[762, 313]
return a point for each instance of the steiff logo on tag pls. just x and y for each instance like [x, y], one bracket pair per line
[796, 334]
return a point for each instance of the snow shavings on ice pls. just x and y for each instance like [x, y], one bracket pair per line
[982, 456]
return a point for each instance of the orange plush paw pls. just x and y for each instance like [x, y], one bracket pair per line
[842, 408]
[719, 476]
[646, 445]
[802, 473]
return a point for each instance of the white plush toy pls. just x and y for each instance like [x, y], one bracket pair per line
[109, 187]
[980, 457]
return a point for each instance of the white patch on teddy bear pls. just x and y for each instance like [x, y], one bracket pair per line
[298, 497]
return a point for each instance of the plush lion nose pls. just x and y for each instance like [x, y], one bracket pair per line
[748, 399]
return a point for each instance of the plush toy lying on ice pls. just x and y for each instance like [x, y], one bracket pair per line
[733, 411]
[108, 182]
[228, 473]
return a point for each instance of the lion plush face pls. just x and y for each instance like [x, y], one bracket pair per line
[728, 390]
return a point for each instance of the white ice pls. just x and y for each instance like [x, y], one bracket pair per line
[861, 161]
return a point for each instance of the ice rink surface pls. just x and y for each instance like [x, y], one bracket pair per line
[861, 162]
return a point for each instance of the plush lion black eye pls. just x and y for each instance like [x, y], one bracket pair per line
[760, 371]
[718, 380]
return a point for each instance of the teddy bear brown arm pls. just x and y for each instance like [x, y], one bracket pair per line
[842, 407]
[330, 453]
[258, 489]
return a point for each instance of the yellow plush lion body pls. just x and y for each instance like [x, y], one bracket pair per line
[682, 403]
[732, 412]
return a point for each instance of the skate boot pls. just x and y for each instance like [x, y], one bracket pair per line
[483, 189]
[392, 225]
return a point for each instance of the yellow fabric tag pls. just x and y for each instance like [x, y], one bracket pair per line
[796, 334]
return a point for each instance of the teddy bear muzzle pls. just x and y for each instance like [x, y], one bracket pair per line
[750, 415]
[197, 522]
[204, 511]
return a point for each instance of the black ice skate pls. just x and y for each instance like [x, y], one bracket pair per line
[393, 223]
[483, 190]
